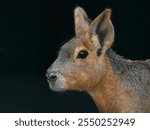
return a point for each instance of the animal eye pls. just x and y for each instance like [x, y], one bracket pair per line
[82, 54]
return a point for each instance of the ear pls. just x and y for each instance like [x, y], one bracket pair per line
[101, 31]
[81, 21]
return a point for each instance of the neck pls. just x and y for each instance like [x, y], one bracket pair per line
[105, 92]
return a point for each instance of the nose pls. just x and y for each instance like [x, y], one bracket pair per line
[51, 76]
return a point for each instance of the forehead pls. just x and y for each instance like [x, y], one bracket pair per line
[69, 47]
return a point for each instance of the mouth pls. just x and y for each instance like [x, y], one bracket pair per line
[57, 85]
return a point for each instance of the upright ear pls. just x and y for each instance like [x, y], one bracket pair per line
[101, 30]
[81, 21]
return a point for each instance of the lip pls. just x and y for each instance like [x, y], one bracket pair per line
[54, 88]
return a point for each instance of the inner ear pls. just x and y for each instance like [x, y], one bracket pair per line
[82, 21]
[102, 29]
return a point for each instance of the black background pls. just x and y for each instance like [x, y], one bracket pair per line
[31, 32]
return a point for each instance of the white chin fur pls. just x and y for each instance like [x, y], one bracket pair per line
[57, 85]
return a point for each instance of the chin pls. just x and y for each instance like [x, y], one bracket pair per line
[57, 87]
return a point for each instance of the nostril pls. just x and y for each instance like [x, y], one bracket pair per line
[53, 77]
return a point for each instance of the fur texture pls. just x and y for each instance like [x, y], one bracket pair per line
[114, 83]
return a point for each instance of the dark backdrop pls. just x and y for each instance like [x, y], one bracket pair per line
[31, 32]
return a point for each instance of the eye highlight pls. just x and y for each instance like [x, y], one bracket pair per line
[82, 54]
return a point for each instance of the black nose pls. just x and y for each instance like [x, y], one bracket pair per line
[51, 77]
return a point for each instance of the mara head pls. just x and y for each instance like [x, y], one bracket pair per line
[81, 62]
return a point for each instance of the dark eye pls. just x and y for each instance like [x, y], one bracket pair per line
[82, 54]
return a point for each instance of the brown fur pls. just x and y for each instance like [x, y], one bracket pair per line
[115, 84]
[108, 93]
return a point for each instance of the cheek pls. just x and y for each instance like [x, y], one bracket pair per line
[93, 76]
[74, 81]
[84, 79]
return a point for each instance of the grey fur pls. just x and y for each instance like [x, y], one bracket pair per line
[127, 79]
[148, 61]
[135, 75]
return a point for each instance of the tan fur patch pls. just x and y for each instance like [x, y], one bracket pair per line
[147, 62]
[110, 96]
